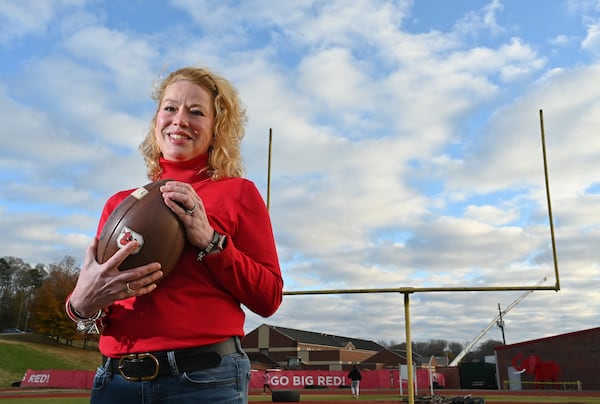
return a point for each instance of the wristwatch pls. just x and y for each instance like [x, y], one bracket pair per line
[217, 244]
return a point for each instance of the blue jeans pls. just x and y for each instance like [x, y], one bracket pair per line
[224, 384]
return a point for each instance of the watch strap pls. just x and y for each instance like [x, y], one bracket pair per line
[216, 244]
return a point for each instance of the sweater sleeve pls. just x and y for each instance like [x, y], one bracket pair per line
[248, 267]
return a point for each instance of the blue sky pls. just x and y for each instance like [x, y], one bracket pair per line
[406, 145]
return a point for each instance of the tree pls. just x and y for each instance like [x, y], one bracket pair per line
[440, 347]
[33, 298]
[48, 305]
[454, 348]
[482, 350]
[387, 344]
[28, 280]
[437, 347]
[7, 311]
[425, 350]
[18, 281]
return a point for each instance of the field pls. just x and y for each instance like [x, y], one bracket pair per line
[19, 352]
[26, 351]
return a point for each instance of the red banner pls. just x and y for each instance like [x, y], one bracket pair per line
[284, 379]
[68, 379]
[371, 379]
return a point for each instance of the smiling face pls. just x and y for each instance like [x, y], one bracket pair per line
[184, 121]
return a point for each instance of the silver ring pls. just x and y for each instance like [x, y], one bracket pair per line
[130, 291]
[190, 211]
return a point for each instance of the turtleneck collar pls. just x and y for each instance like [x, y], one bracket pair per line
[186, 171]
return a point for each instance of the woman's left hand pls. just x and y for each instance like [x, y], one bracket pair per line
[183, 200]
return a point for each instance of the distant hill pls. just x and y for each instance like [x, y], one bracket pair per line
[19, 352]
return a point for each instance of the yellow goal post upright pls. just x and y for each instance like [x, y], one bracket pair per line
[407, 291]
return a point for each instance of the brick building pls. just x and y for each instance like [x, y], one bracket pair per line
[576, 356]
[297, 349]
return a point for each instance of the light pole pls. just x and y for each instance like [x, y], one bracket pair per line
[500, 323]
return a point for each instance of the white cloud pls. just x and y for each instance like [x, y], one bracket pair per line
[30, 17]
[560, 40]
[591, 42]
[400, 158]
[127, 57]
[485, 19]
[490, 214]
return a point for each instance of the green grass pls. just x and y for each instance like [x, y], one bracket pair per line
[29, 351]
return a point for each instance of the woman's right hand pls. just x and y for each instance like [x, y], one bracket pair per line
[99, 285]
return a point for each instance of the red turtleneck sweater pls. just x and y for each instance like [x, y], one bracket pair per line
[199, 302]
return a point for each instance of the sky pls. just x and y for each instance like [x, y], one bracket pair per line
[406, 147]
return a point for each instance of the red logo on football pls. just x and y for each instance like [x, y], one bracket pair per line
[127, 236]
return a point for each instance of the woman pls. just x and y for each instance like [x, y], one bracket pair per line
[180, 342]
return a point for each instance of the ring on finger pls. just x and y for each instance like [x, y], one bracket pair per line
[130, 291]
[190, 211]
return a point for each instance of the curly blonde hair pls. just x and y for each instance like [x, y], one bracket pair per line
[230, 118]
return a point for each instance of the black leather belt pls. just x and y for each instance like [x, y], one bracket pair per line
[150, 365]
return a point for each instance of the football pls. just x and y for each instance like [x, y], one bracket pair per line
[143, 216]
